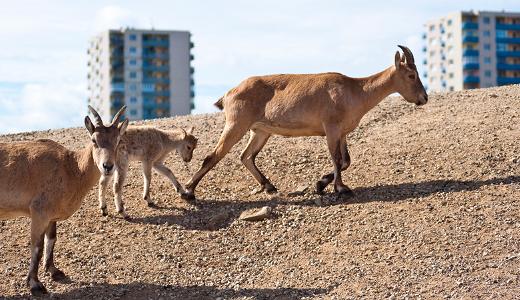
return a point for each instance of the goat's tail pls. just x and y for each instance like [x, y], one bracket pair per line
[220, 103]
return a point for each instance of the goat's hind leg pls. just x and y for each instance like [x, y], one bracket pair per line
[49, 267]
[166, 172]
[256, 142]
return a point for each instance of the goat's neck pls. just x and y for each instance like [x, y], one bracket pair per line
[376, 88]
[88, 171]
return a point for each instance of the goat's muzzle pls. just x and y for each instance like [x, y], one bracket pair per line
[423, 99]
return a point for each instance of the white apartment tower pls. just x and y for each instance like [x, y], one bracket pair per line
[466, 50]
[147, 70]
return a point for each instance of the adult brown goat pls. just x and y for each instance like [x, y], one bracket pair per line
[328, 104]
[47, 182]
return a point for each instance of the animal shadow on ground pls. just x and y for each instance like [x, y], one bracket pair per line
[214, 214]
[137, 290]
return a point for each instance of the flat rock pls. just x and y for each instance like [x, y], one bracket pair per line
[256, 215]
[299, 191]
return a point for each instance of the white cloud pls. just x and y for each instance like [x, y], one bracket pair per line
[43, 106]
[110, 17]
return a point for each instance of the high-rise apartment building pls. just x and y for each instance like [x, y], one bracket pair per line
[148, 70]
[466, 50]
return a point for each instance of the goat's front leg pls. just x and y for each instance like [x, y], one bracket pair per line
[328, 178]
[119, 180]
[38, 227]
[49, 267]
[165, 171]
[147, 177]
[102, 187]
[334, 142]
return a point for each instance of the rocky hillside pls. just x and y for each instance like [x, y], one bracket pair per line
[436, 215]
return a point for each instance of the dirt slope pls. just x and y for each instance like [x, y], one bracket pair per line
[436, 216]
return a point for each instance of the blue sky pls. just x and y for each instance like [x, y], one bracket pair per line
[43, 55]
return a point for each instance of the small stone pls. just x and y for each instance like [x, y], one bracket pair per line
[259, 215]
[299, 191]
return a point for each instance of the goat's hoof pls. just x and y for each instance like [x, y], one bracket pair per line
[270, 189]
[188, 196]
[38, 289]
[320, 187]
[58, 275]
[152, 205]
[127, 218]
[104, 212]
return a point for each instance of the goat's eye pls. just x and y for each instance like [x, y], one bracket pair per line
[95, 143]
[411, 76]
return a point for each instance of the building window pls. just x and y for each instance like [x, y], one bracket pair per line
[133, 112]
[133, 74]
[133, 62]
[501, 47]
[486, 20]
[133, 100]
[501, 33]
[452, 89]
[487, 33]
[487, 73]
[133, 50]
[449, 22]
[450, 75]
[487, 47]
[133, 37]
[432, 27]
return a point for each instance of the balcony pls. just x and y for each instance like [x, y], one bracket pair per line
[470, 52]
[469, 25]
[117, 87]
[507, 80]
[470, 39]
[508, 40]
[471, 79]
[507, 26]
[156, 80]
[508, 53]
[155, 55]
[471, 66]
[155, 43]
[156, 93]
[508, 67]
[151, 104]
[147, 67]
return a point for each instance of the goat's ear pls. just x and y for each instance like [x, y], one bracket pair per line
[190, 130]
[122, 127]
[397, 60]
[89, 125]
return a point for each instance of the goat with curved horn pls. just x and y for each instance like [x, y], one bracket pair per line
[97, 117]
[407, 54]
[47, 182]
[118, 115]
[327, 104]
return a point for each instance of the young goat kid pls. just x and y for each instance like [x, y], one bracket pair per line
[47, 182]
[151, 146]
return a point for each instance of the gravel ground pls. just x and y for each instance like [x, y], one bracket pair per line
[436, 215]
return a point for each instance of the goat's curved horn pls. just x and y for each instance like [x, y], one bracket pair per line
[408, 54]
[184, 133]
[99, 121]
[116, 118]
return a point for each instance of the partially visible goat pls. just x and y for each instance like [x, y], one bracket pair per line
[151, 146]
[47, 182]
[328, 104]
